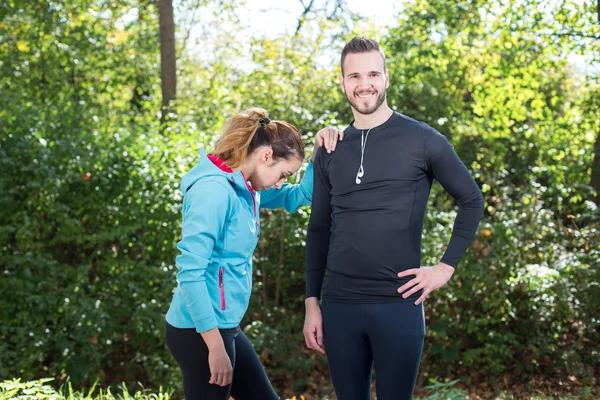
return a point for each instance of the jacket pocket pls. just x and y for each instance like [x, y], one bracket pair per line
[222, 288]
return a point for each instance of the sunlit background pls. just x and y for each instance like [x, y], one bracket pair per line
[101, 114]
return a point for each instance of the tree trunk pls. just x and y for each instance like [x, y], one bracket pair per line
[281, 248]
[168, 71]
[263, 265]
[595, 176]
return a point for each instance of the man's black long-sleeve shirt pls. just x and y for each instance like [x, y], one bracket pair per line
[364, 234]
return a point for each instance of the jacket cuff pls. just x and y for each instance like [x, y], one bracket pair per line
[206, 324]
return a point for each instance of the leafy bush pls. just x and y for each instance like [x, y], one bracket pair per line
[90, 208]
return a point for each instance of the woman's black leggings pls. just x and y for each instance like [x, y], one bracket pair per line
[388, 335]
[250, 381]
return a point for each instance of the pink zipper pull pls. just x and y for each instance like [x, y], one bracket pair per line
[221, 289]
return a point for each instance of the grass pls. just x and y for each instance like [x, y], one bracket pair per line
[42, 390]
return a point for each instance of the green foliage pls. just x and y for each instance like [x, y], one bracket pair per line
[90, 207]
[41, 390]
[444, 391]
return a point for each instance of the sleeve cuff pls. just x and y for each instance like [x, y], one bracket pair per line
[306, 183]
[453, 264]
[206, 324]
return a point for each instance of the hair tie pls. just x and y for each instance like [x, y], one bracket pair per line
[263, 122]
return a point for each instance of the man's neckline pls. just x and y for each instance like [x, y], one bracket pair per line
[375, 128]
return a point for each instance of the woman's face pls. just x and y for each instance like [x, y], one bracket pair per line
[271, 173]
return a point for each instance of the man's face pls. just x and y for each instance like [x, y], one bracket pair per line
[364, 81]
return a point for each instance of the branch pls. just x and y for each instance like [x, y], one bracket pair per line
[264, 10]
[303, 16]
[578, 35]
[340, 8]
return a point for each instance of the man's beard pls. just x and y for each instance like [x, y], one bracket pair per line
[366, 110]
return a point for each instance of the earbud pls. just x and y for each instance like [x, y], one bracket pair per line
[363, 144]
[359, 175]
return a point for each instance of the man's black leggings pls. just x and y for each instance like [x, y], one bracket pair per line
[388, 335]
[250, 381]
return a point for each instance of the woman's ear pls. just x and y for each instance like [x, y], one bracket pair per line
[267, 154]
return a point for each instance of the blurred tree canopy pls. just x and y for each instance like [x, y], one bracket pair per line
[90, 207]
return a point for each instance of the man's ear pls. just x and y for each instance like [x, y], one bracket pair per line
[341, 80]
[387, 78]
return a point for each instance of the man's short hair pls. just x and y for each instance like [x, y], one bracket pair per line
[360, 44]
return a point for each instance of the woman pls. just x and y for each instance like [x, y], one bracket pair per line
[220, 229]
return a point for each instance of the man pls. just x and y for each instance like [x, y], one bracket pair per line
[365, 228]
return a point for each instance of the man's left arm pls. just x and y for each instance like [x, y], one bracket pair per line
[442, 162]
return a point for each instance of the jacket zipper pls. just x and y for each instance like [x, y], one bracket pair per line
[222, 288]
[251, 190]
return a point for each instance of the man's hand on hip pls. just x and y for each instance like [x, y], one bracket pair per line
[426, 278]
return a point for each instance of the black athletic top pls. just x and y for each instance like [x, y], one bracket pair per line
[365, 233]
